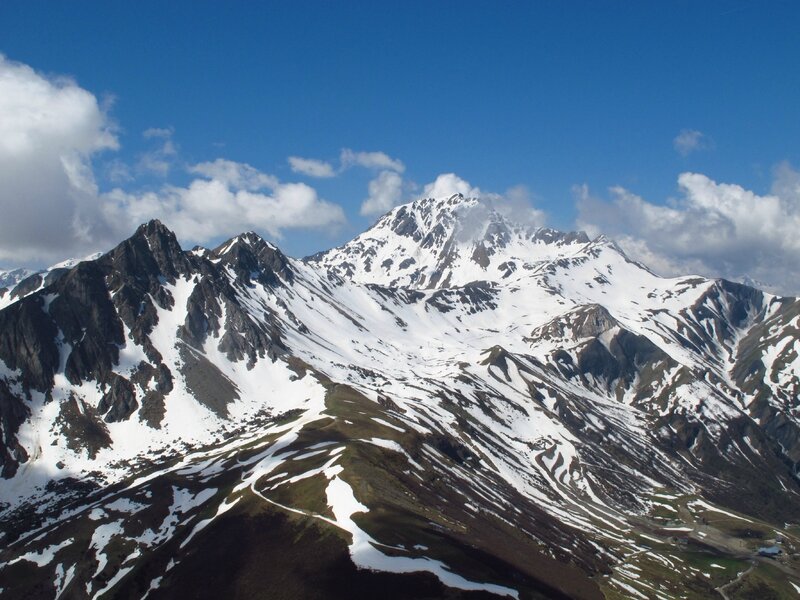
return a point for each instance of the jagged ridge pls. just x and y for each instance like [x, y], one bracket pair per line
[516, 388]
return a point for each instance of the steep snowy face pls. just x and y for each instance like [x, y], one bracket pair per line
[443, 242]
[518, 411]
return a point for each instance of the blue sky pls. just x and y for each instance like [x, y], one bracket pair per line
[547, 95]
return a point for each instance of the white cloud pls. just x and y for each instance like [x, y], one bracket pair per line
[714, 229]
[517, 205]
[50, 128]
[786, 184]
[210, 208]
[348, 158]
[160, 159]
[117, 172]
[311, 167]
[52, 208]
[164, 133]
[236, 175]
[385, 192]
[448, 184]
[152, 162]
[691, 140]
[370, 160]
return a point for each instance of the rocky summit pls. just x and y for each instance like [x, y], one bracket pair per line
[451, 405]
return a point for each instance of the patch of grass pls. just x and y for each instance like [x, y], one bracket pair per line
[307, 494]
[254, 551]
[764, 582]
[674, 572]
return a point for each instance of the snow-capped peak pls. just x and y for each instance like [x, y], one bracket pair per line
[252, 257]
[420, 218]
[71, 262]
[248, 239]
[571, 408]
[448, 241]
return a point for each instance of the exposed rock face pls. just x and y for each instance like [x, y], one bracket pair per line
[582, 323]
[13, 412]
[251, 258]
[82, 315]
[119, 402]
[207, 384]
[621, 361]
[82, 427]
[513, 410]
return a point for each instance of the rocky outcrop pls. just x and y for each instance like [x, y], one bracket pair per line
[13, 412]
[82, 427]
[81, 318]
[584, 322]
[253, 259]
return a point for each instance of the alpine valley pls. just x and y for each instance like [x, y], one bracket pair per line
[451, 405]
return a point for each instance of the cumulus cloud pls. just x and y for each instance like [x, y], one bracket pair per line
[786, 184]
[311, 167]
[448, 184]
[516, 203]
[235, 175]
[370, 160]
[50, 128]
[691, 140]
[385, 192]
[52, 207]
[217, 206]
[713, 229]
[389, 189]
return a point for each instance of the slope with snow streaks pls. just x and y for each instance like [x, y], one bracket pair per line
[472, 407]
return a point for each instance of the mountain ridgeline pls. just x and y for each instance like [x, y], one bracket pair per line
[449, 405]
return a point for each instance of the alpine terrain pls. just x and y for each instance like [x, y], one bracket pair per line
[451, 405]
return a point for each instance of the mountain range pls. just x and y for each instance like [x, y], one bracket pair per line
[451, 405]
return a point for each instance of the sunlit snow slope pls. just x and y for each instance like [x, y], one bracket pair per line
[449, 404]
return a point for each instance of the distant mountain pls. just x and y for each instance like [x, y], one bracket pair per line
[451, 405]
[17, 283]
[10, 278]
